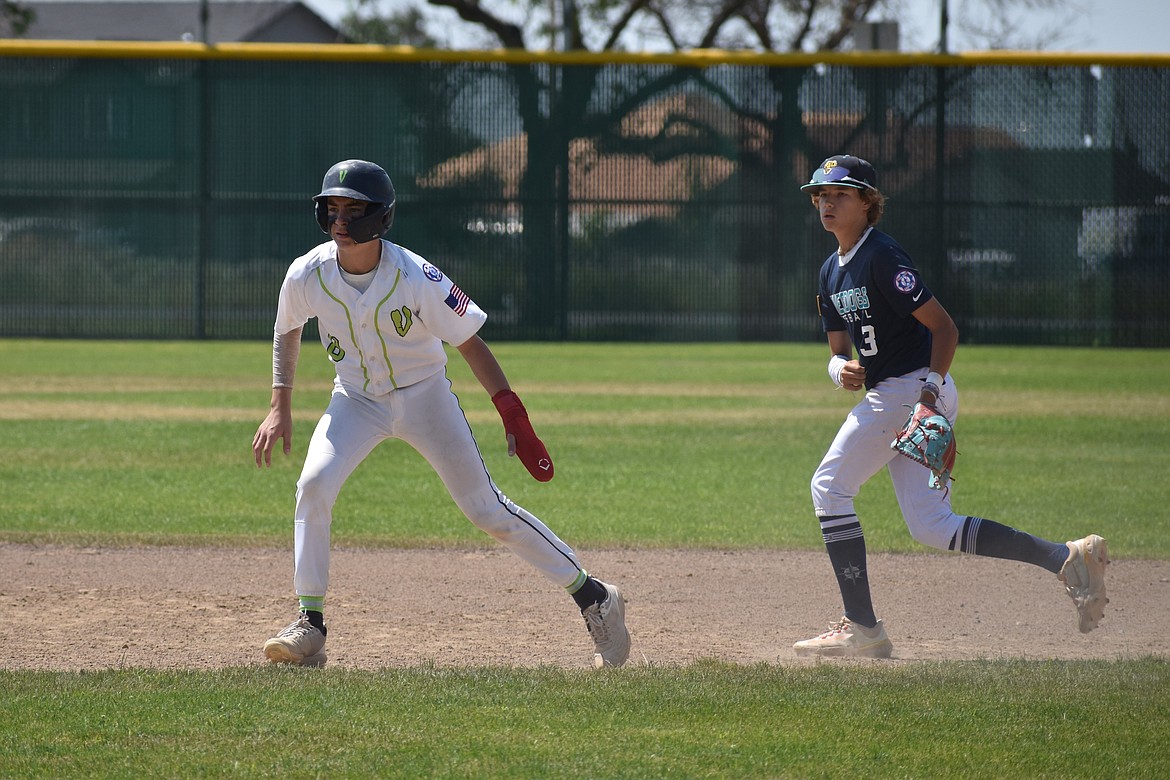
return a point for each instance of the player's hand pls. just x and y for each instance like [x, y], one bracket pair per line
[522, 440]
[853, 376]
[276, 426]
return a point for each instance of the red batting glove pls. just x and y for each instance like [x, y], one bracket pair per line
[528, 446]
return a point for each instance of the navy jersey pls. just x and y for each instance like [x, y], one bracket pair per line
[873, 296]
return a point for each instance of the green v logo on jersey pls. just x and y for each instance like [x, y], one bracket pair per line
[403, 318]
[336, 353]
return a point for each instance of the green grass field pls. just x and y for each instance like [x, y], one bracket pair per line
[971, 720]
[656, 446]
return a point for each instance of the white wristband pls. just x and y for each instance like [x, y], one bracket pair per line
[836, 366]
[934, 379]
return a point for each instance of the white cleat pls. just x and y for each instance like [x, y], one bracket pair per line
[846, 639]
[300, 643]
[607, 625]
[1083, 575]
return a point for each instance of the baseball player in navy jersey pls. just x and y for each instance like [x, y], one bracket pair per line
[383, 314]
[872, 299]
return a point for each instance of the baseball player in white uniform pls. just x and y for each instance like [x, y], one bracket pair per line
[383, 314]
[871, 298]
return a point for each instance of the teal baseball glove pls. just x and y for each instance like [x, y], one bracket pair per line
[928, 438]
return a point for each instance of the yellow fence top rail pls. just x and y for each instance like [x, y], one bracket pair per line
[702, 58]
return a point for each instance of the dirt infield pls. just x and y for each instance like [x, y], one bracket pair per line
[69, 608]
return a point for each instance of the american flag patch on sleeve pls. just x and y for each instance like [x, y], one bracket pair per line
[457, 300]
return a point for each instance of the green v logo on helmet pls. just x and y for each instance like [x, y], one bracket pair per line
[341, 175]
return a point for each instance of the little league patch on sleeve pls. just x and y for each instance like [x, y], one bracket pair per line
[905, 281]
[457, 300]
[432, 273]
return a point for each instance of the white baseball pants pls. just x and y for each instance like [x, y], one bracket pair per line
[427, 416]
[862, 447]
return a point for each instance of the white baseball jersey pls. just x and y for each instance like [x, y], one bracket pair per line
[389, 336]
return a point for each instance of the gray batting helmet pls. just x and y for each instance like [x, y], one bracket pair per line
[359, 180]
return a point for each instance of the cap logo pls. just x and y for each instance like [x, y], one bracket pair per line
[829, 166]
[341, 175]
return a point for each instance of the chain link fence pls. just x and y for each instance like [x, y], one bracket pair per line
[162, 192]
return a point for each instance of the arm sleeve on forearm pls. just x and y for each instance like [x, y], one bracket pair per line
[286, 349]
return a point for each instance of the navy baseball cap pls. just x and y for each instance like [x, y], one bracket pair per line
[844, 170]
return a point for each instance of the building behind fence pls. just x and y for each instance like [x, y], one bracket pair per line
[161, 190]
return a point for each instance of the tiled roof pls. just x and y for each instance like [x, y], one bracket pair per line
[282, 21]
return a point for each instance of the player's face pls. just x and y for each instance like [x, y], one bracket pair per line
[342, 211]
[842, 209]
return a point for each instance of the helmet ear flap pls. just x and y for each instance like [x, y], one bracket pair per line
[373, 224]
[321, 213]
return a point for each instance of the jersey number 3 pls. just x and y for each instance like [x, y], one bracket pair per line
[868, 346]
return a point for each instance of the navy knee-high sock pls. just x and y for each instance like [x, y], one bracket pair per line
[979, 536]
[845, 543]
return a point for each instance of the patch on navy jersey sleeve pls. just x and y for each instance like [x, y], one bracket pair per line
[457, 300]
[432, 273]
[905, 280]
